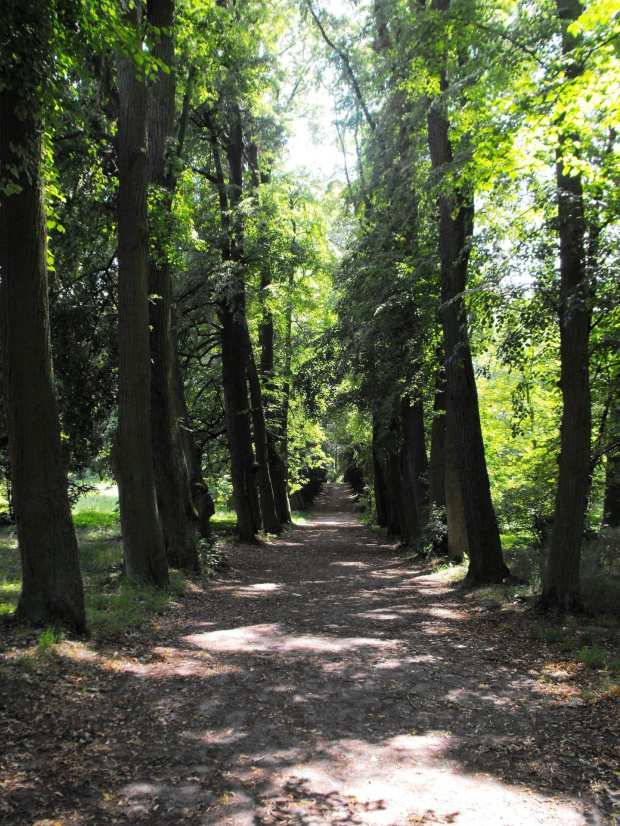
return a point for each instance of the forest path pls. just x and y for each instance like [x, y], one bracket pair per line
[325, 679]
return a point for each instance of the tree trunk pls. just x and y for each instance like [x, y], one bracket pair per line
[380, 486]
[275, 420]
[393, 484]
[52, 584]
[408, 517]
[271, 523]
[281, 415]
[486, 564]
[416, 461]
[172, 478]
[455, 514]
[263, 386]
[437, 464]
[232, 314]
[611, 507]
[201, 497]
[436, 469]
[143, 545]
[561, 582]
[176, 511]
[243, 467]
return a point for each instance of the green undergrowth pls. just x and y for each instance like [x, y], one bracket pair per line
[10, 571]
[113, 604]
[599, 574]
[223, 521]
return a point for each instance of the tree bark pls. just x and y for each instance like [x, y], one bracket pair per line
[176, 510]
[274, 419]
[408, 517]
[145, 558]
[611, 506]
[456, 210]
[436, 469]
[379, 485]
[237, 413]
[393, 486]
[561, 582]
[437, 464]
[51, 581]
[274, 502]
[455, 514]
[271, 523]
[201, 496]
[416, 461]
[279, 417]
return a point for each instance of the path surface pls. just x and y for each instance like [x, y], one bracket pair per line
[324, 680]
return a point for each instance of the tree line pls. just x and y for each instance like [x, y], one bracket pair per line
[210, 315]
[484, 140]
[140, 140]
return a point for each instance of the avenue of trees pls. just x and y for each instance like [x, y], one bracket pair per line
[179, 310]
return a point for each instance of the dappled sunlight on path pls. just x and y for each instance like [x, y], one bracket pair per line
[324, 680]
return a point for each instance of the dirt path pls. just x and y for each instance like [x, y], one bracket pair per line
[324, 680]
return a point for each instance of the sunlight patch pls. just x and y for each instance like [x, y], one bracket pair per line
[349, 564]
[273, 637]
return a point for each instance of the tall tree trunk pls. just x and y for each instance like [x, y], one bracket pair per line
[52, 584]
[393, 484]
[436, 469]
[437, 462]
[280, 416]
[455, 514]
[172, 484]
[416, 461]
[274, 418]
[408, 517]
[379, 484]
[611, 506]
[145, 558]
[232, 316]
[271, 523]
[561, 582]
[274, 503]
[201, 497]
[486, 564]
[243, 466]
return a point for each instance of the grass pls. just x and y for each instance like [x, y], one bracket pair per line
[122, 605]
[599, 573]
[223, 521]
[10, 571]
[113, 604]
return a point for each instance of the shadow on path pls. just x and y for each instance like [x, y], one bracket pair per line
[325, 680]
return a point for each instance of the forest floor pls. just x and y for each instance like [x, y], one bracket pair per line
[325, 678]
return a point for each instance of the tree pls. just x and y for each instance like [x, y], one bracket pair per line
[456, 215]
[561, 582]
[143, 545]
[174, 497]
[52, 585]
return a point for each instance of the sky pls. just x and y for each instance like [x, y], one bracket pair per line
[317, 153]
[314, 140]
